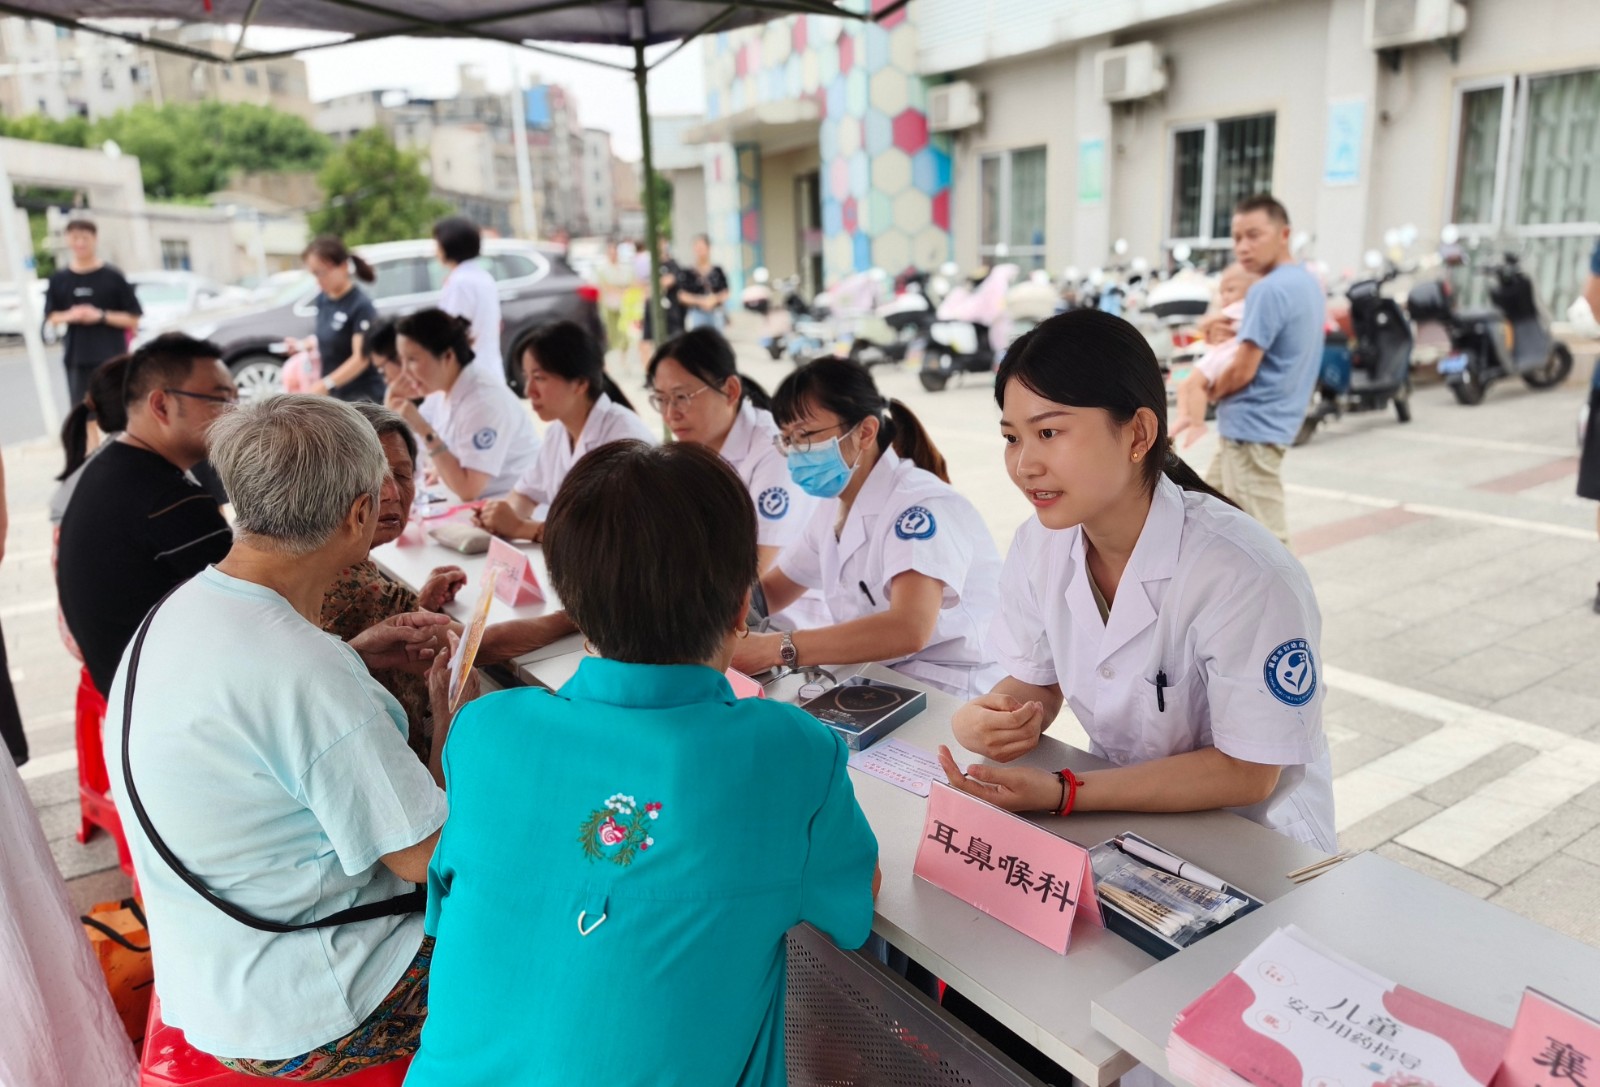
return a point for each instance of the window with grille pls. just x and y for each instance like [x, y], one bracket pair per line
[1214, 166]
[1012, 192]
[175, 254]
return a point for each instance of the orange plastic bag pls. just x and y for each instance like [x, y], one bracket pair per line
[121, 943]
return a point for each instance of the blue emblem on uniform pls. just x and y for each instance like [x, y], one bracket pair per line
[773, 503]
[916, 523]
[1291, 673]
[484, 438]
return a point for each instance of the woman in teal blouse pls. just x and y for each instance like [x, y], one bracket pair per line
[674, 832]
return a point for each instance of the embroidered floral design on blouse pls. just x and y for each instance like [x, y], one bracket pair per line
[619, 831]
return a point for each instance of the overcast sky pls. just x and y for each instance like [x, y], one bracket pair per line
[429, 67]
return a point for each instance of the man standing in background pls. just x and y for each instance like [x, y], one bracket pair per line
[94, 302]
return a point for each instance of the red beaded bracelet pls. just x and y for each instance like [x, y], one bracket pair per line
[1069, 790]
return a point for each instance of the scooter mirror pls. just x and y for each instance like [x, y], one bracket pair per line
[760, 275]
[877, 275]
[1097, 276]
[1451, 234]
[1041, 277]
[1182, 252]
[1002, 250]
[1298, 243]
[1373, 259]
[950, 269]
[1071, 274]
[1391, 239]
[1408, 235]
[1140, 266]
[1120, 247]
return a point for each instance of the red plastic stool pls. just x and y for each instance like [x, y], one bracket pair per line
[94, 786]
[170, 1061]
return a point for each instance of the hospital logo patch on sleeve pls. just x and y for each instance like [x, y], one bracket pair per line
[773, 503]
[916, 523]
[484, 439]
[1291, 673]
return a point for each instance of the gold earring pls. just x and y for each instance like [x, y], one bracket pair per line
[1136, 457]
[588, 647]
[743, 632]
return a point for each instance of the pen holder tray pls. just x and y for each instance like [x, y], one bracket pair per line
[1143, 936]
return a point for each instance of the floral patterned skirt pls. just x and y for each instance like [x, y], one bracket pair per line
[389, 1033]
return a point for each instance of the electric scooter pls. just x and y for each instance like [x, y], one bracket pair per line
[1367, 366]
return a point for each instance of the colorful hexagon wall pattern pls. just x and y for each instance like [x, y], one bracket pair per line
[885, 179]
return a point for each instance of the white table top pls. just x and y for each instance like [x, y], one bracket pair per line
[1045, 998]
[1412, 929]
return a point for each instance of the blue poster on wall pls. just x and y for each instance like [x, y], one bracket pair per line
[1342, 164]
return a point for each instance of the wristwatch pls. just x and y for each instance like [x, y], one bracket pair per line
[787, 652]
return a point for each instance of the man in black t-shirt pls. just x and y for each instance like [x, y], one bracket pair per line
[96, 305]
[138, 523]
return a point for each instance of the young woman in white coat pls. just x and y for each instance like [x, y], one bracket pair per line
[904, 563]
[1182, 634]
[564, 376]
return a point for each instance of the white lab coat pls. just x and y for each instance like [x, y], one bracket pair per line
[483, 423]
[608, 422]
[1213, 601]
[908, 519]
[782, 509]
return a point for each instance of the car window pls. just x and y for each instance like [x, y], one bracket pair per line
[398, 277]
[436, 274]
[505, 266]
[161, 294]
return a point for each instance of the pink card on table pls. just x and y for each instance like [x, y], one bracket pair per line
[1016, 872]
[743, 686]
[517, 584]
[1550, 1043]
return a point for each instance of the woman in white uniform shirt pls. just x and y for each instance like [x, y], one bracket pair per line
[1181, 632]
[469, 288]
[565, 377]
[478, 435]
[693, 383]
[905, 564]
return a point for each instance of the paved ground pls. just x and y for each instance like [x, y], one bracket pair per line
[1455, 569]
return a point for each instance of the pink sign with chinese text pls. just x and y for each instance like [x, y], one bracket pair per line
[517, 584]
[1549, 1043]
[1018, 873]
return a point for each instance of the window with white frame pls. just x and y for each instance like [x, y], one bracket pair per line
[1525, 170]
[1011, 215]
[175, 254]
[1214, 166]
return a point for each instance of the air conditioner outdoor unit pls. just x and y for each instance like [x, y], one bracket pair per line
[1129, 72]
[1392, 24]
[952, 106]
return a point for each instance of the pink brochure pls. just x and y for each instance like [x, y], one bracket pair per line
[517, 584]
[1016, 872]
[1552, 1045]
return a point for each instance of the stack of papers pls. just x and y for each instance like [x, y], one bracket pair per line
[1295, 1013]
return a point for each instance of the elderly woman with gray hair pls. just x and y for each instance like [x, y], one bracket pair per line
[276, 817]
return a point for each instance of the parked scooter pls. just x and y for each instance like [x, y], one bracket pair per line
[899, 327]
[972, 330]
[1514, 338]
[1366, 365]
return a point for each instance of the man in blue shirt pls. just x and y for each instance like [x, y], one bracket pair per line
[1262, 395]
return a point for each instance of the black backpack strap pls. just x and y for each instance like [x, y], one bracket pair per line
[411, 902]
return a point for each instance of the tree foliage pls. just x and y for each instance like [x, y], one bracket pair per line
[375, 192]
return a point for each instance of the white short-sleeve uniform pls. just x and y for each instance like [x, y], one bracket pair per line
[1212, 600]
[782, 509]
[608, 422]
[470, 291]
[483, 423]
[907, 519]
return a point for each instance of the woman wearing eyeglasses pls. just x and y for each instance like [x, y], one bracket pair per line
[695, 386]
[564, 374]
[908, 570]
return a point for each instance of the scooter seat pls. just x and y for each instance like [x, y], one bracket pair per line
[1479, 316]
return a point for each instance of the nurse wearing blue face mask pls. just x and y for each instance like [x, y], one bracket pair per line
[906, 566]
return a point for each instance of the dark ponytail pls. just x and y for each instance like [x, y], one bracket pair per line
[847, 390]
[1089, 359]
[438, 332]
[330, 249]
[566, 350]
[707, 355]
[103, 402]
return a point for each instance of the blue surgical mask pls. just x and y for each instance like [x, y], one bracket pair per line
[821, 471]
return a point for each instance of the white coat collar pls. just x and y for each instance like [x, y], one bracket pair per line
[1154, 559]
[743, 435]
[868, 506]
[593, 425]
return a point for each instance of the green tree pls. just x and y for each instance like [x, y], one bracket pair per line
[191, 149]
[663, 204]
[375, 192]
[73, 132]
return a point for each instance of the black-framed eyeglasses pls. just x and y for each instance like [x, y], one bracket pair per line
[229, 400]
[801, 442]
[678, 401]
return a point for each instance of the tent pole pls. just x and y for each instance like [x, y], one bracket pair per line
[641, 76]
[18, 266]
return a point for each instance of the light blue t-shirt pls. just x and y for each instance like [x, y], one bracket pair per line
[276, 769]
[684, 830]
[1283, 315]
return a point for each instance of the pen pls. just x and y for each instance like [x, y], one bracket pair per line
[868, 591]
[1161, 699]
[1176, 865]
